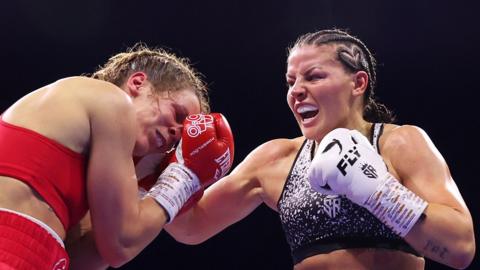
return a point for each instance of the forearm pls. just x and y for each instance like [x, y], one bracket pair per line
[119, 243]
[444, 235]
[182, 229]
[196, 226]
[224, 203]
[144, 229]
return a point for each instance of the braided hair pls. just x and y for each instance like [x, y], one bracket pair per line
[354, 56]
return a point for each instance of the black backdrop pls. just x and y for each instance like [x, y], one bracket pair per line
[427, 50]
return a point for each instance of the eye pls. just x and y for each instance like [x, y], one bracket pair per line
[315, 77]
[290, 81]
[289, 84]
[180, 114]
[179, 118]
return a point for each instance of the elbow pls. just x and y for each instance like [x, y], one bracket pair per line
[185, 236]
[116, 255]
[188, 239]
[463, 255]
[465, 258]
[116, 258]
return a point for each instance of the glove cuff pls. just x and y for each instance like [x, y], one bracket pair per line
[396, 206]
[174, 187]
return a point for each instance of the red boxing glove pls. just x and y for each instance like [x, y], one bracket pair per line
[208, 152]
[204, 155]
[206, 146]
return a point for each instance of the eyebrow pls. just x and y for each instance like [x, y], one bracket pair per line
[306, 71]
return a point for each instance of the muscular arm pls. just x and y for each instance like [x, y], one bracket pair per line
[227, 201]
[258, 178]
[121, 224]
[445, 234]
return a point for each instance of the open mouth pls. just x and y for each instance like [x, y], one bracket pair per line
[159, 140]
[307, 112]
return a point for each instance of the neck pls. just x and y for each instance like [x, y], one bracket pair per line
[354, 122]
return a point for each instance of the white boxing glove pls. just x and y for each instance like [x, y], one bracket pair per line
[347, 164]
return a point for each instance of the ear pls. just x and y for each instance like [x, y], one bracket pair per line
[360, 80]
[135, 83]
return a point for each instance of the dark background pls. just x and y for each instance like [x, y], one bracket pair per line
[428, 74]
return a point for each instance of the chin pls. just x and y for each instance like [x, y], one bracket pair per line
[308, 133]
[140, 150]
[313, 134]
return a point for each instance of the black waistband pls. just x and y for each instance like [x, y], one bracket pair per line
[327, 246]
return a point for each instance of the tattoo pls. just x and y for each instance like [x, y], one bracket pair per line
[436, 249]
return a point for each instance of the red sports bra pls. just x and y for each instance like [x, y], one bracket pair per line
[54, 171]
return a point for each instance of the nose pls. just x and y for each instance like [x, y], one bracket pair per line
[298, 92]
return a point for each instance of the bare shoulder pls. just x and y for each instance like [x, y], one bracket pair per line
[97, 98]
[93, 90]
[107, 110]
[82, 81]
[407, 149]
[269, 157]
[274, 150]
[403, 138]
[266, 168]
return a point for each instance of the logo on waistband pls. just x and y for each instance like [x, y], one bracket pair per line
[60, 265]
[332, 205]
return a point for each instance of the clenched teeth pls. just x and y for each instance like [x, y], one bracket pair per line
[306, 108]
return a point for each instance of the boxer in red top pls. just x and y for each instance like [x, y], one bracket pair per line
[66, 149]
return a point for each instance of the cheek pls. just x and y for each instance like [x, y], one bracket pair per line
[290, 100]
[165, 118]
[162, 119]
[332, 93]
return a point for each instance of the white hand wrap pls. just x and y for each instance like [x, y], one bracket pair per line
[395, 206]
[174, 187]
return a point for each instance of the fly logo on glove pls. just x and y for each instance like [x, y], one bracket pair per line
[349, 158]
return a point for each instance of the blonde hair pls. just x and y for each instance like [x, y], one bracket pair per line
[165, 70]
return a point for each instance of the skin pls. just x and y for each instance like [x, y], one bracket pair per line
[316, 78]
[109, 125]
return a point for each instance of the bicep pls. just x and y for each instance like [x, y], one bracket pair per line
[422, 169]
[111, 181]
[238, 191]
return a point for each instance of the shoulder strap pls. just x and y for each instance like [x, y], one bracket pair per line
[377, 130]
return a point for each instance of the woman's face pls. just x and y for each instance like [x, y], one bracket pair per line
[320, 90]
[160, 119]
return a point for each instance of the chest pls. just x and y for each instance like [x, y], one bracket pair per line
[273, 179]
[308, 216]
